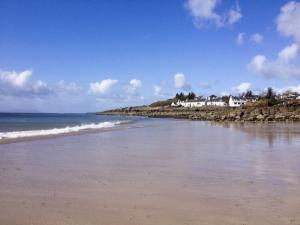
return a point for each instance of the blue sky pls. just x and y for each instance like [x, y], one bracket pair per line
[79, 56]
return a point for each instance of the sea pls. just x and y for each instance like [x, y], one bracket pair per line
[23, 125]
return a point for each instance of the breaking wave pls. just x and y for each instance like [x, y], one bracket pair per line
[57, 131]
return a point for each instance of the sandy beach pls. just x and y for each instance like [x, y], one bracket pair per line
[167, 172]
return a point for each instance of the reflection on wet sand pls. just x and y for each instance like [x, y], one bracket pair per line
[172, 173]
[271, 132]
[280, 136]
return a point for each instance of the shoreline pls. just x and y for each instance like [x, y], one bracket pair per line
[219, 174]
[74, 133]
[287, 113]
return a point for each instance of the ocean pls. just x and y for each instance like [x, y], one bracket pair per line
[22, 125]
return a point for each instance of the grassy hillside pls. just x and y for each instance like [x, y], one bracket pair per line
[167, 102]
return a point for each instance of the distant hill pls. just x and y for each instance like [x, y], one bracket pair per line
[167, 102]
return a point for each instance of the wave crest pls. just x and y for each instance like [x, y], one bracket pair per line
[57, 131]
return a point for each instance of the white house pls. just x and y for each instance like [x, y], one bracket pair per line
[190, 103]
[288, 95]
[236, 102]
[216, 102]
[199, 102]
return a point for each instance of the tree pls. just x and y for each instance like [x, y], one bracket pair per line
[212, 96]
[191, 96]
[180, 96]
[270, 94]
[248, 94]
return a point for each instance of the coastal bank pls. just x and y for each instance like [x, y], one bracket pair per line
[288, 112]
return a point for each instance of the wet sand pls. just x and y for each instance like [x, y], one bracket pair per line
[169, 173]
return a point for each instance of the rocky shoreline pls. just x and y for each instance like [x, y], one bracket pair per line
[288, 112]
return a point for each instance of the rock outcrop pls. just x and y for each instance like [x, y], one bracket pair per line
[287, 112]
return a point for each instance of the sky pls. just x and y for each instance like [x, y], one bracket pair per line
[92, 55]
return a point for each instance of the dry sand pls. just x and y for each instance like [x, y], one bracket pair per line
[167, 173]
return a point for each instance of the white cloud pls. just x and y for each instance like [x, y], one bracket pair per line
[179, 81]
[163, 90]
[135, 83]
[133, 86]
[282, 67]
[234, 15]
[19, 93]
[256, 38]
[288, 21]
[258, 63]
[18, 84]
[285, 65]
[157, 90]
[40, 86]
[102, 87]
[132, 90]
[289, 52]
[122, 93]
[288, 88]
[15, 79]
[240, 39]
[204, 11]
[72, 87]
[242, 88]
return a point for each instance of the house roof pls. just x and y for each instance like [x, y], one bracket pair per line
[216, 100]
[238, 98]
[197, 100]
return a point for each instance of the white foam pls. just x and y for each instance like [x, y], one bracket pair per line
[57, 131]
